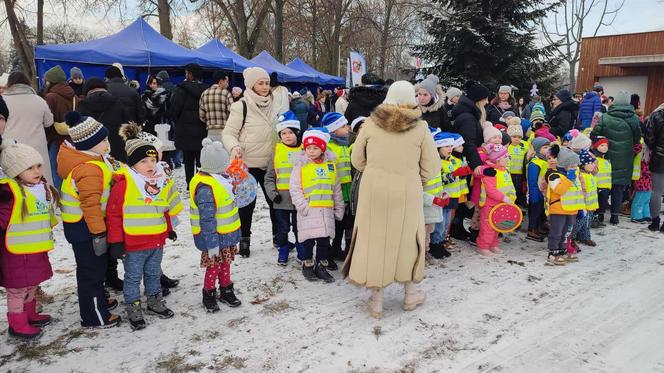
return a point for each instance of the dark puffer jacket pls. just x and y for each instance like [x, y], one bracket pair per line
[435, 114]
[129, 98]
[109, 111]
[363, 100]
[621, 127]
[654, 138]
[466, 118]
[563, 117]
[189, 129]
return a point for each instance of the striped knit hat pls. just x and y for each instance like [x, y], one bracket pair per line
[137, 148]
[85, 132]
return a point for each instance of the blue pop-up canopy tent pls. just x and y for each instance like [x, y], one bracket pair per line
[216, 48]
[139, 48]
[284, 73]
[323, 79]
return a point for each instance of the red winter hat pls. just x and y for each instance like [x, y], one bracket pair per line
[316, 138]
[600, 140]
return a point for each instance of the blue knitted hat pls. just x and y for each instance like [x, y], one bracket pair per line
[333, 121]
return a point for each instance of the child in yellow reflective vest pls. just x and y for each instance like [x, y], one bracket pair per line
[316, 193]
[337, 125]
[215, 224]
[142, 204]
[600, 148]
[564, 198]
[581, 231]
[434, 200]
[277, 186]
[463, 172]
[536, 170]
[26, 220]
[517, 150]
[451, 187]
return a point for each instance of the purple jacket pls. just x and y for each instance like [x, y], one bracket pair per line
[18, 271]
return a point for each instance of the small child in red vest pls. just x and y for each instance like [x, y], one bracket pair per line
[26, 205]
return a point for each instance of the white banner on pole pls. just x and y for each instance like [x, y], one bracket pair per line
[359, 67]
[349, 82]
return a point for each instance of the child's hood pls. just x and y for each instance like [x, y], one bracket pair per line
[300, 159]
[69, 157]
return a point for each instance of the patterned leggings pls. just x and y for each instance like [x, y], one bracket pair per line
[581, 230]
[221, 271]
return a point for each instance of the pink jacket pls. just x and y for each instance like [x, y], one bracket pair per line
[493, 195]
[313, 222]
[477, 183]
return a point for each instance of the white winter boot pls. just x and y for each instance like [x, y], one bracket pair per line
[412, 297]
[375, 303]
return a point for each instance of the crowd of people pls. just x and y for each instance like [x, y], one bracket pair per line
[382, 177]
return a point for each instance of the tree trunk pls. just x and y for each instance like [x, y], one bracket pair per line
[23, 47]
[314, 27]
[572, 76]
[385, 32]
[279, 30]
[165, 28]
[40, 22]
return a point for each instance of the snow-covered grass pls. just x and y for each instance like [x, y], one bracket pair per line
[602, 314]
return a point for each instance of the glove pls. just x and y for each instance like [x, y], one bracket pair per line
[508, 200]
[277, 199]
[489, 171]
[441, 202]
[61, 128]
[462, 171]
[581, 214]
[172, 236]
[99, 244]
[571, 174]
[117, 250]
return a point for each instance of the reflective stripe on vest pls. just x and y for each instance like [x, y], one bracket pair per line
[29, 234]
[636, 167]
[143, 217]
[603, 173]
[573, 199]
[434, 186]
[590, 194]
[226, 213]
[71, 205]
[503, 184]
[343, 162]
[517, 156]
[462, 180]
[453, 189]
[318, 182]
[283, 165]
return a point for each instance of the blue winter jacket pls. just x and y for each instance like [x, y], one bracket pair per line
[209, 238]
[590, 105]
[534, 194]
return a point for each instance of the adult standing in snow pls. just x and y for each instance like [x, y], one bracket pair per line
[300, 108]
[431, 100]
[654, 138]
[250, 135]
[76, 80]
[363, 99]
[30, 117]
[453, 95]
[500, 104]
[621, 127]
[590, 105]
[155, 98]
[563, 114]
[215, 105]
[396, 153]
[128, 96]
[279, 94]
[469, 114]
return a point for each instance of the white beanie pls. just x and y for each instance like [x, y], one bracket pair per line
[489, 131]
[453, 92]
[505, 88]
[401, 93]
[214, 158]
[253, 74]
[16, 158]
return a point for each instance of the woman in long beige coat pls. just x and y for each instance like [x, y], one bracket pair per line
[397, 155]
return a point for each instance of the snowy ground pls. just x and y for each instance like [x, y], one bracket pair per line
[603, 314]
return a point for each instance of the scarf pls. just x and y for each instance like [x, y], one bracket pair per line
[151, 186]
[155, 100]
[263, 102]
[19, 89]
[343, 141]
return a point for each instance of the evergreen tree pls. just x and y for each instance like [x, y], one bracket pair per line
[492, 41]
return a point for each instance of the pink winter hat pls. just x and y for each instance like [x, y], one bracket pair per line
[496, 151]
[489, 131]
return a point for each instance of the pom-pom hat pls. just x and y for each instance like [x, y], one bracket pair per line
[85, 132]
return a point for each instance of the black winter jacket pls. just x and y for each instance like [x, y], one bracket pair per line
[129, 98]
[563, 117]
[109, 111]
[363, 100]
[654, 138]
[189, 129]
[466, 118]
[435, 114]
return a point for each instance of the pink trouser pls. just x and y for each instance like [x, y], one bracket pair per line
[488, 237]
[17, 297]
[221, 271]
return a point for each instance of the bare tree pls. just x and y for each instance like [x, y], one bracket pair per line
[278, 11]
[245, 18]
[569, 25]
[40, 22]
[22, 45]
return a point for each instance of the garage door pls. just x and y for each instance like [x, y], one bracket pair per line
[631, 84]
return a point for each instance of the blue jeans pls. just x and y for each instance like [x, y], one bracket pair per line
[440, 231]
[144, 264]
[53, 157]
[641, 204]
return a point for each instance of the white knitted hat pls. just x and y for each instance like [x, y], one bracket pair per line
[214, 157]
[401, 93]
[16, 158]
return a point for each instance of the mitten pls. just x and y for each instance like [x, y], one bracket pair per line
[99, 244]
[489, 171]
[117, 250]
[441, 202]
[172, 236]
[462, 171]
[277, 199]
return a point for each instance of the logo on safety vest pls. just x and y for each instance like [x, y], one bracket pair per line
[320, 171]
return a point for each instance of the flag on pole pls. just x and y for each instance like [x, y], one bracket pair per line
[358, 67]
[349, 82]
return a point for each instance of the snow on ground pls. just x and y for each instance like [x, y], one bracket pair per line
[603, 314]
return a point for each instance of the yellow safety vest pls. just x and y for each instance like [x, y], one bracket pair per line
[573, 199]
[434, 186]
[283, 165]
[463, 184]
[33, 233]
[71, 203]
[143, 217]
[590, 193]
[636, 165]
[603, 173]
[318, 181]
[542, 164]
[453, 189]
[226, 215]
[517, 157]
[503, 184]
[343, 161]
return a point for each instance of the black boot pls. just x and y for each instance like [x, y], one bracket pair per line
[112, 279]
[437, 250]
[614, 220]
[459, 232]
[308, 270]
[227, 295]
[245, 242]
[472, 238]
[654, 226]
[321, 271]
[168, 282]
[331, 265]
[210, 300]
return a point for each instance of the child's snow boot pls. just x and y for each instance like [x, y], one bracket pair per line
[375, 303]
[533, 235]
[244, 251]
[19, 327]
[167, 282]
[300, 252]
[654, 225]
[308, 270]
[472, 238]
[227, 296]
[157, 306]
[135, 315]
[321, 271]
[614, 220]
[555, 260]
[412, 297]
[210, 300]
[283, 255]
[34, 318]
[438, 251]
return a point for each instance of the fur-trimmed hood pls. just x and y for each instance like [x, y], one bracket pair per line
[396, 118]
[441, 99]
[300, 158]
